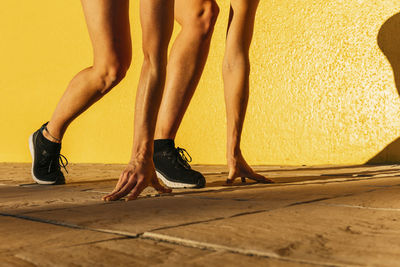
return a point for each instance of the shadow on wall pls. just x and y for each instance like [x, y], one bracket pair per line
[389, 43]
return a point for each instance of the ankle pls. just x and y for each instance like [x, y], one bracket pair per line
[49, 136]
[163, 144]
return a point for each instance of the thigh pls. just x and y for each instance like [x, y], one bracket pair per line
[187, 11]
[109, 30]
[157, 20]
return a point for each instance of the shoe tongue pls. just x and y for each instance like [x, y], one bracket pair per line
[51, 147]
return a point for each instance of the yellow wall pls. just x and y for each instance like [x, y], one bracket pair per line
[322, 84]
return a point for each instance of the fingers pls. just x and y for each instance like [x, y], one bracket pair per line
[253, 176]
[140, 186]
[129, 184]
[125, 183]
[123, 179]
[157, 186]
[125, 190]
[261, 179]
[231, 177]
[230, 180]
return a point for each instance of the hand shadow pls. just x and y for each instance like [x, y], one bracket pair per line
[389, 43]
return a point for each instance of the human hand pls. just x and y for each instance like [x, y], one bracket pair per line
[136, 176]
[238, 167]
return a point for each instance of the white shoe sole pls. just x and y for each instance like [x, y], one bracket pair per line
[31, 148]
[174, 184]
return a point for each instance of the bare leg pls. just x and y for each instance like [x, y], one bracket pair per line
[186, 62]
[236, 70]
[108, 25]
[157, 24]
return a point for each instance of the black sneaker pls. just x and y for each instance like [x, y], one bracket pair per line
[172, 167]
[46, 159]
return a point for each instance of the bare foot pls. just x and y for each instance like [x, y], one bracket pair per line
[238, 167]
[138, 175]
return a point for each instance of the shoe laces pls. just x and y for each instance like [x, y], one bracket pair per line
[183, 157]
[62, 162]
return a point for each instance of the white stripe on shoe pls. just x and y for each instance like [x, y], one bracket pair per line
[170, 184]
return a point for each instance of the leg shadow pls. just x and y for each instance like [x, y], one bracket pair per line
[389, 43]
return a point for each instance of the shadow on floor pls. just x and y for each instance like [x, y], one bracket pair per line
[389, 43]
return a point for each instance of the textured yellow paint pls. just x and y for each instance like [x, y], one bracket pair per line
[323, 85]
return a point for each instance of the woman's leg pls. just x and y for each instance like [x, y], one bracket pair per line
[186, 62]
[108, 25]
[236, 70]
[157, 17]
[185, 66]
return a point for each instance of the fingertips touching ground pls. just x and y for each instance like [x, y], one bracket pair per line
[160, 189]
[131, 185]
[135, 192]
[261, 179]
[230, 180]
[123, 179]
[254, 176]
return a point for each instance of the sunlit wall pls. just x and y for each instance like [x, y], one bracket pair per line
[323, 87]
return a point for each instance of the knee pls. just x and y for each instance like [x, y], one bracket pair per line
[207, 18]
[111, 74]
[203, 21]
